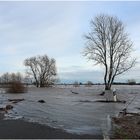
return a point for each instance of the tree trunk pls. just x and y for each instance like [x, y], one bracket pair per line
[109, 95]
[107, 87]
[42, 85]
[37, 84]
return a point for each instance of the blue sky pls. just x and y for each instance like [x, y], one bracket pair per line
[57, 29]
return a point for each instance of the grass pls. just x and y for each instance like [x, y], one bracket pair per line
[127, 127]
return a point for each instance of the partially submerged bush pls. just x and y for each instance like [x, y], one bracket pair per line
[16, 87]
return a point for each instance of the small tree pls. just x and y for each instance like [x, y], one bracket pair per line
[131, 81]
[89, 84]
[42, 69]
[76, 84]
[108, 45]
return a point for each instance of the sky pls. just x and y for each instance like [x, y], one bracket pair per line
[57, 29]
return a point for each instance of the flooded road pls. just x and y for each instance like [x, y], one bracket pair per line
[75, 113]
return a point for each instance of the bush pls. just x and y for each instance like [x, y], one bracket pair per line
[76, 84]
[131, 82]
[88, 84]
[16, 87]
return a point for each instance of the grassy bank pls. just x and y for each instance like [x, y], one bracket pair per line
[127, 127]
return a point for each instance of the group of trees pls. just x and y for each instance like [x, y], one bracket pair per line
[77, 84]
[13, 82]
[8, 78]
[41, 68]
[107, 44]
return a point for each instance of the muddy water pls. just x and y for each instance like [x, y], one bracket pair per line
[76, 113]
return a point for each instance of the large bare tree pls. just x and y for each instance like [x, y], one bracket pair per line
[42, 68]
[109, 45]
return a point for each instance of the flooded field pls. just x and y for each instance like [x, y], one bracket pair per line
[71, 108]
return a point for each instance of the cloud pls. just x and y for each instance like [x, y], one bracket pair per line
[57, 29]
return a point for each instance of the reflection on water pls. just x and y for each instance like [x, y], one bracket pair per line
[63, 109]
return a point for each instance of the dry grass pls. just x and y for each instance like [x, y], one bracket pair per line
[128, 127]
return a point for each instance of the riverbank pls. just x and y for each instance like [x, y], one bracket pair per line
[126, 127]
[19, 129]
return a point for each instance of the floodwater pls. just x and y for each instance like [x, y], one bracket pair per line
[75, 113]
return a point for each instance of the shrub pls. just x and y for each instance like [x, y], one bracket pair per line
[88, 84]
[131, 82]
[76, 84]
[16, 87]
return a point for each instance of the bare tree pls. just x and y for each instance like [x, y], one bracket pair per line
[131, 81]
[13, 82]
[109, 45]
[43, 70]
[5, 78]
[15, 77]
[76, 84]
[89, 84]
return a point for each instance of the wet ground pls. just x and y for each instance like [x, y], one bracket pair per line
[65, 109]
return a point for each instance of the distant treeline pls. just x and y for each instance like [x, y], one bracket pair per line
[120, 83]
[115, 83]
